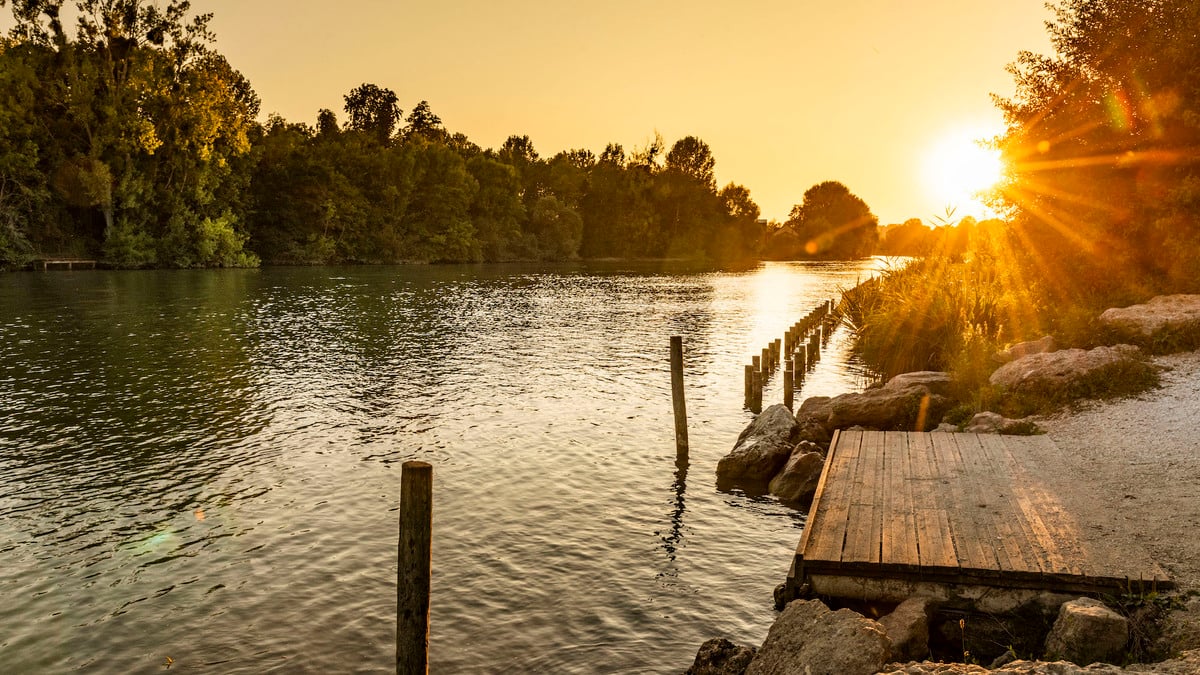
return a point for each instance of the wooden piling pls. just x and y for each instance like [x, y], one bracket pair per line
[749, 384]
[788, 387]
[413, 573]
[766, 360]
[756, 401]
[681, 434]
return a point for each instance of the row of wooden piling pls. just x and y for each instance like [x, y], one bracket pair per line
[797, 352]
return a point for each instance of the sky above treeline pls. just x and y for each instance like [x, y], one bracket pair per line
[786, 93]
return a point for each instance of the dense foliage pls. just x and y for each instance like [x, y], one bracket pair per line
[1102, 143]
[96, 153]
[1103, 199]
[831, 222]
[132, 140]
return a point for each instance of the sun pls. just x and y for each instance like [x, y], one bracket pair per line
[957, 168]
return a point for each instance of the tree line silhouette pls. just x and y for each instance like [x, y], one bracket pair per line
[133, 140]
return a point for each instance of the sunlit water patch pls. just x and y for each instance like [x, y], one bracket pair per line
[204, 466]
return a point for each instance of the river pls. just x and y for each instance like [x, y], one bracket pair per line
[201, 468]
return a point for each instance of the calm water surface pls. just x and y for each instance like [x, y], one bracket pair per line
[205, 465]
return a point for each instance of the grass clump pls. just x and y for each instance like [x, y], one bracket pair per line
[939, 314]
[946, 314]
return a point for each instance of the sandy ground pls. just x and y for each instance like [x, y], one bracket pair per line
[1130, 471]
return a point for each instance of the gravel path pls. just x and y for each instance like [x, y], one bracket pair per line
[1131, 470]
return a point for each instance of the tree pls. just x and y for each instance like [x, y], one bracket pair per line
[496, 211]
[737, 239]
[692, 157]
[557, 227]
[373, 110]
[327, 124]
[423, 122]
[831, 222]
[140, 133]
[1102, 184]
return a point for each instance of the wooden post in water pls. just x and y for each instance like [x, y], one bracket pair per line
[749, 385]
[681, 436]
[415, 558]
[788, 387]
[756, 401]
[766, 360]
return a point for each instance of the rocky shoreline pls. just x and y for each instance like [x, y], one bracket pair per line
[783, 454]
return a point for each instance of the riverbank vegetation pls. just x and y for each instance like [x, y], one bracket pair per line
[1101, 201]
[131, 139]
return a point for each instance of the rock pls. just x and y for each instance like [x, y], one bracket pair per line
[1039, 346]
[798, 480]
[761, 450]
[888, 409]
[994, 423]
[1087, 632]
[811, 429]
[908, 629]
[1061, 369]
[719, 656]
[1160, 314]
[809, 639]
[946, 427]
[934, 381]
[816, 407]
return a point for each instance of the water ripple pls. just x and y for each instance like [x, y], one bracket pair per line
[205, 465]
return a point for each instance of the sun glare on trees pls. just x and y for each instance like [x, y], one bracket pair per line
[957, 169]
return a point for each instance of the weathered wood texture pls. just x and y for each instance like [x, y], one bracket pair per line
[952, 508]
[413, 570]
[680, 406]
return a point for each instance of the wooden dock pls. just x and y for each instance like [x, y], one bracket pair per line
[47, 264]
[952, 516]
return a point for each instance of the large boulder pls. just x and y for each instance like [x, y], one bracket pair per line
[812, 429]
[904, 409]
[1063, 369]
[1166, 314]
[934, 381]
[761, 450]
[719, 656]
[809, 639]
[908, 629]
[1087, 632]
[816, 408]
[798, 480]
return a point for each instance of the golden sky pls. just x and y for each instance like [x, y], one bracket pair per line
[786, 93]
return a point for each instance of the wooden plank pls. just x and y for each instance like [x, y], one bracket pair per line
[818, 496]
[829, 521]
[985, 483]
[864, 526]
[1018, 538]
[968, 544]
[899, 546]
[935, 545]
